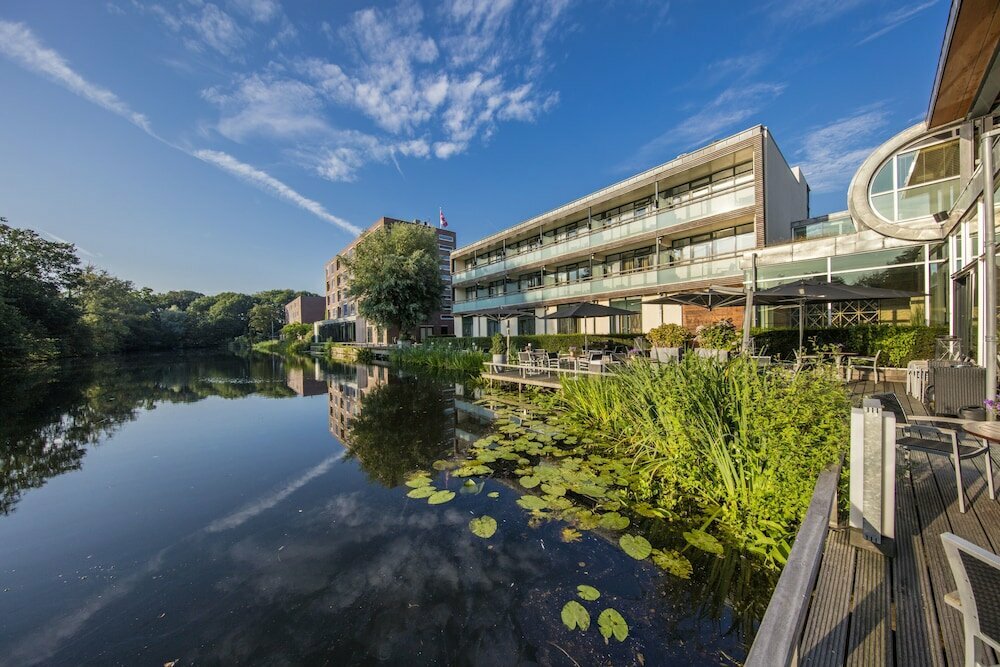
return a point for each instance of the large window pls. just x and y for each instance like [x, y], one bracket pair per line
[568, 325]
[917, 183]
[627, 324]
[526, 326]
[467, 326]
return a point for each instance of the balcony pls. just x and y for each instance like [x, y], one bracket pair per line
[654, 221]
[662, 276]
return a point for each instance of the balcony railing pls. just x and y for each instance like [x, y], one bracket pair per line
[654, 220]
[662, 276]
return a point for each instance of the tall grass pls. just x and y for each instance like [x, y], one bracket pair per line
[742, 443]
[437, 358]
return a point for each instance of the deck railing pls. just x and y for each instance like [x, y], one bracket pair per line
[777, 641]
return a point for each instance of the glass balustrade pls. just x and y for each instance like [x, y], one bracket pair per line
[655, 220]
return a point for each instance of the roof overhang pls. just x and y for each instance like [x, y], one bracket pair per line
[967, 82]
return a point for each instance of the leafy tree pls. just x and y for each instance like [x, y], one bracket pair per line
[396, 277]
[266, 319]
[112, 310]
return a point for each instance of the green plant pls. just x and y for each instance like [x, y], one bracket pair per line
[437, 358]
[721, 335]
[497, 344]
[669, 335]
[899, 344]
[297, 330]
[364, 355]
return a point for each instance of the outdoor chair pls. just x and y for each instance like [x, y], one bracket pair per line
[923, 434]
[527, 364]
[977, 575]
[863, 364]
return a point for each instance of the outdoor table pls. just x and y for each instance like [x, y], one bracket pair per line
[838, 359]
[989, 431]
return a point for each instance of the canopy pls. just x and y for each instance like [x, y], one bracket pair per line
[802, 292]
[499, 313]
[585, 310]
[711, 297]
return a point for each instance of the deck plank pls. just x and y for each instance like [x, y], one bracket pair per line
[869, 643]
[824, 638]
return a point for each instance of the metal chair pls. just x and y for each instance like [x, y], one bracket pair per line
[863, 364]
[977, 574]
[527, 364]
[924, 435]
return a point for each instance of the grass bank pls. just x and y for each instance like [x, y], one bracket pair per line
[439, 359]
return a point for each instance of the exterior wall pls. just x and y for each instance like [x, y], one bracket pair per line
[341, 309]
[305, 309]
[786, 194]
[694, 317]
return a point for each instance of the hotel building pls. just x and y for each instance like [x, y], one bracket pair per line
[734, 213]
[684, 224]
[344, 324]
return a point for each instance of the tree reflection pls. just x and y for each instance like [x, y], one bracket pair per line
[403, 425]
[51, 414]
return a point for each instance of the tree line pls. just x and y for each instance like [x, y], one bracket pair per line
[53, 306]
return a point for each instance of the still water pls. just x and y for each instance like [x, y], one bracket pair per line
[214, 509]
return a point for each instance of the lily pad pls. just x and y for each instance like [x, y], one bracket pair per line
[529, 481]
[611, 623]
[440, 497]
[587, 592]
[418, 482]
[493, 494]
[673, 562]
[575, 616]
[472, 488]
[554, 489]
[532, 503]
[636, 546]
[699, 539]
[569, 535]
[614, 521]
[470, 470]
[483, 527]
[422, 492]
[442, 464]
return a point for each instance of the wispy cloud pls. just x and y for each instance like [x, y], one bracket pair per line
[204, 25]
[268, 183]
[734, 106]
[82, 251]
[807, 13]
[19, 43]
[265, 105]
[894, 19]
[830, 154]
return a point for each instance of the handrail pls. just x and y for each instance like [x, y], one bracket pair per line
[777, 639]
[542, 369]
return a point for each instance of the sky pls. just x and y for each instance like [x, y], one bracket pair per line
[239, 144]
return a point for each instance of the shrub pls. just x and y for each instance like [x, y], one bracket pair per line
[719, 335]
[497, 345]
[439, 358]
[899, 344]
[669, 335]
[297, 330]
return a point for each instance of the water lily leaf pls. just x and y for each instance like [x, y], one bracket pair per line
[558, 502]
[569, 535]
[614, 521]
[422, 492]
[554, 489]
[483, 527]
[636, 546]
[587, 592]
[440, 497]
[590, 490]
[673, 562]
[532, 503]
[611, 623]
[529, 481]
[575, 616]
[587, 520]
[493, 494]
[470, 470]
[699, 539]
[442, 464]
[418, 482]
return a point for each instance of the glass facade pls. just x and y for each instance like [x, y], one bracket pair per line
[917, 183]
[627, 324]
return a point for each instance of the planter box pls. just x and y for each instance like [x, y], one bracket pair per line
[666, 354]
[708, 353]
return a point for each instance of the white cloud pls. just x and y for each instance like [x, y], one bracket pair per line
[831, 154]
[896, 18]
[268, 183]
[19, 43]
[263, 105]
[734, 106]
[806, 13]
[204, 25]
[260, 11]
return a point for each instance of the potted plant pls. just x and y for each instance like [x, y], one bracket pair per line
[668, 340]
[498, 350]
[717, 340]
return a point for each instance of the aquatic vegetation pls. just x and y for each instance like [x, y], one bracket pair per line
[574, 615]
[588, 593]
[611, 623]
[439, 358]
[673, 562]
[699, 539]
[636, 546]
[422, 492]
[570, 535]
[484, 527]
[440, 497]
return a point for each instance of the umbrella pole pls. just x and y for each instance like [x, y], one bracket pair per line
[747, 320]
[802, 324]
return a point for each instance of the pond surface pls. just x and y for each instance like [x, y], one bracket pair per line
[213, 509]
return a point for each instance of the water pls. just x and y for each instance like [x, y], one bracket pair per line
[205, 509]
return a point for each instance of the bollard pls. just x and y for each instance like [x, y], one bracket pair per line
[873, 477]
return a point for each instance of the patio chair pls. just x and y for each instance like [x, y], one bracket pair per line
[527, 364]
[923, 434]
[863, 364]
[977, 575]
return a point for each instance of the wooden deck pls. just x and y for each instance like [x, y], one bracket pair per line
[867, 609]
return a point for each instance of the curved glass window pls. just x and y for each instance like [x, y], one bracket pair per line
[917, 183]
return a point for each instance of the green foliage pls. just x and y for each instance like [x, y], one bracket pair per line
[721, 335]
[440, 497]
[484, 527]
[899, 344]
[737, 442]
[588, 593]
[438, 358]
[699, 539]
[364, 355]
[497, 345]
[636, 546]
[670, 335]
[396, 276]
[673, 562]
[575, 616]
[297, 330]
[612, 624]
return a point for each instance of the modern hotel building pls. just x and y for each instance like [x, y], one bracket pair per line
[735, 213]
[344, 324]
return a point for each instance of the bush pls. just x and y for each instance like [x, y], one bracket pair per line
[899, 344]
[669, 335]
[719, 335]
[297, 330]
[439, 358]
[497, 345]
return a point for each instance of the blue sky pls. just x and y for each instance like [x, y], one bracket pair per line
[238, 144]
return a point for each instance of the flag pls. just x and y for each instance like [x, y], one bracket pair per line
[444, 223]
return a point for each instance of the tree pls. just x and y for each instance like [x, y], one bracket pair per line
[266, 319]
[396, 277]
[113, 311]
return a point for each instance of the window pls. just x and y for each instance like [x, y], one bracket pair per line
[627, 324]
[571, 273]
[529, 281]
[492, 327]
[526, 326]
[569, 325]
[467, 326]
[917, 183]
